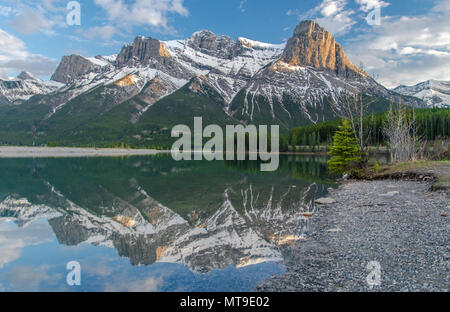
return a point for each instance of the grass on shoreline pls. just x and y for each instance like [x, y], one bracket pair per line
[436, 171]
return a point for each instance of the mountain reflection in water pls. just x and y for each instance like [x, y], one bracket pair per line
[207, 217]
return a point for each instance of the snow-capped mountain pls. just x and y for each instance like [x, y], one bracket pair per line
[226, 64]
[151, 85]
[310, 67]
[24, 86]
[433, 92]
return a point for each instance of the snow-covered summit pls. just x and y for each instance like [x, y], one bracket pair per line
[259, 45]
[24, 86]
[433, 92]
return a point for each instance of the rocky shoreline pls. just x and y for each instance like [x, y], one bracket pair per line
[400, 225]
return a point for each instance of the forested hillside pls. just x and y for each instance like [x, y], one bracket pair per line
[431, 124]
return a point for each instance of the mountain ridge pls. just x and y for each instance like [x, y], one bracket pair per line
[23, 87]
[238, 81]
[434, 92]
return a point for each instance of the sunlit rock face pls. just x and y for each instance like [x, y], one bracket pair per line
[313, 46]
[143, 50]
[127, 81]
[73, 67]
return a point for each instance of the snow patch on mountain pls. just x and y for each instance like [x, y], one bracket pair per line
[98, 61]
[261, 45]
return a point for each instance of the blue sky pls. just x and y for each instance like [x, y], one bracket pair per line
[411, 44]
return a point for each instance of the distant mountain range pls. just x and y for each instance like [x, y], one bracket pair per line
[151, 85]
[23, 87]
[434, 93]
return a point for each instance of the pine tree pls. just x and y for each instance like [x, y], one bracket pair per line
[345, 151]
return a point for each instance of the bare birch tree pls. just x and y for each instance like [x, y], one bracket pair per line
[401, 133]
[351, 105]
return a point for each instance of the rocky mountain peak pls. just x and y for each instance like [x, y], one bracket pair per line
[307, 27]
[26, 76]
[72, 67]
[23, 87]
[143, 50]
[433, 92]
[209, 43]
[313, 46]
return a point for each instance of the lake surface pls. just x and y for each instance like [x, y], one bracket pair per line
[149, 223]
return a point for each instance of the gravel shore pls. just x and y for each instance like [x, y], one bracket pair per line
[399, 224]
[36, 152]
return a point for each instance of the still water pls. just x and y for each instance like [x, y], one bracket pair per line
[151, 223]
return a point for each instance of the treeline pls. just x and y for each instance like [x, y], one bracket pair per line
[112, 144]
[431, 124]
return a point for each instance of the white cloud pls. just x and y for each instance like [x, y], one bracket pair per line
[336, 16]
[103, 32]
[100, 269]
[14, 239]
[36, 64]
[14, 57]
[330, 14]
[29, 21]
[292, 12]
[406, 50]
[145, 285]
[331, 7]
[11, 47]
[337, 24]
[11, 251]
[55, 5]
[142, 12]
[367, 5]
[6, 11]
[30, 16]
[25, 278]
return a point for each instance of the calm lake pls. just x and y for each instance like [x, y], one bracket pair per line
[151, 223]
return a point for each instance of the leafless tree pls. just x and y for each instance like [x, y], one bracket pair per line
[401, 134]
[351, 105]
